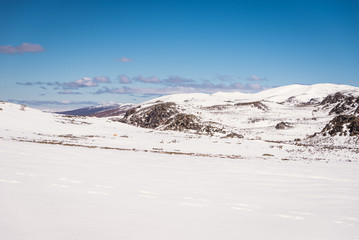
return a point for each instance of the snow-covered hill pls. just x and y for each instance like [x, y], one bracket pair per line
[279, 114]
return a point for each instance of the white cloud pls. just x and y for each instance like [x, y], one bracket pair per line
[124, 79]
[86, 82]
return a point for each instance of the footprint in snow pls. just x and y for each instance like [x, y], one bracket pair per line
[194, 202]
[348, 221]
[302, 213]
[69, 180]
[97, 193]
[147, 194]
[25, 174]
[8, 181]
[242, 207]
[293, 217]
[103, 186]
[59, 185]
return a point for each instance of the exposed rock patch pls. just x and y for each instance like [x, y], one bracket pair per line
[217, 107]
[342, 124]
[257, 104]
[347, 104]
[233, 135]
[152, 116]
[166, 116]
[335, 98]
[183, 121]
[283, 125]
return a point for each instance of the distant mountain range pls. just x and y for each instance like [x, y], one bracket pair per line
[100, 111]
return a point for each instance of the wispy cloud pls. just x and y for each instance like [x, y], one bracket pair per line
[177, 81]
[255, 78]
[39, 83]
[151, 79]
[41, 103]
[224, 78]
[124, 79]
[206, 87]
[69, 92]
[23, 48]
[79, 83]
[125, 59]
[86, 82]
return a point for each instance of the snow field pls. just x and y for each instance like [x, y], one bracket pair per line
[59, 192]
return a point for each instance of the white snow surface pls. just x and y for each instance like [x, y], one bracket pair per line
[92, 178]
[60, 192]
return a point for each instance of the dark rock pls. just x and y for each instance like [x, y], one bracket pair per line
[346, 104]
[354, 127]
[312, 101]
[216, 107]
[336, 125]
[183, 121]
[357, 110]
[233, 135]
[130, 112]
[152, 116]
[166, 116]
[330, 99]
[283, 125]
[257, 104]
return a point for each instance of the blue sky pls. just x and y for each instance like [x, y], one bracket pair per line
[60, 54]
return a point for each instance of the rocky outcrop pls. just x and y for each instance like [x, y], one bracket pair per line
[257, 104]
[344, 104]
[333, 98]
[152, 116]
[342, 125]
[347, 104]
[166, 116]
[233, 135]
[183, 121]
[283, 125]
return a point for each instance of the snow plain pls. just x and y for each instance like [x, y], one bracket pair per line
[62, 192]
[87, 178]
